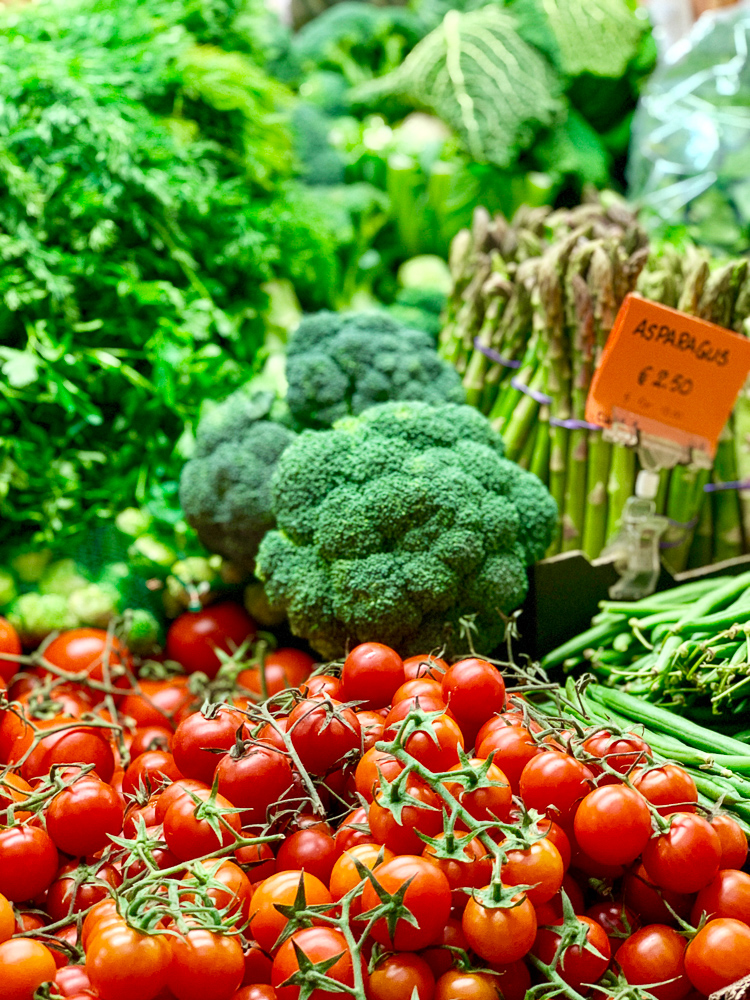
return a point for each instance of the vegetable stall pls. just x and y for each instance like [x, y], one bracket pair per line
[332, 340]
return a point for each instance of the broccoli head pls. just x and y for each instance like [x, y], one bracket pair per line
[398, 522]
[225, 488]
[340, 364]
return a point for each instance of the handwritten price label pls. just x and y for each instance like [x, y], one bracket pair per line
[668, 374]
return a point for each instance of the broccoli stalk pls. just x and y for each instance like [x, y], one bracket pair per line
[397, 523]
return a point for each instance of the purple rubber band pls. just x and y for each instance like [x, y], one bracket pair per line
[575, 425]
[494, 356]
[685, 526]
[540, 397]
[737, 484]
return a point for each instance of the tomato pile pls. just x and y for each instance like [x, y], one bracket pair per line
[256, 828]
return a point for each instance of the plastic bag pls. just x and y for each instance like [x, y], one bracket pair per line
[690, 150]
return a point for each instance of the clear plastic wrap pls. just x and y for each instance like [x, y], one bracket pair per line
[690, 152]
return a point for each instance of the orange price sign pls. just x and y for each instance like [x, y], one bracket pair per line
[668, 375]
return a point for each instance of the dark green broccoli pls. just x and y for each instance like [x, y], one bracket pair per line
[396, 523]
[320, 163]
[225, 488]
[340, 364]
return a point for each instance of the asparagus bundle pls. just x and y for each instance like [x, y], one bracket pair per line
[532, 306]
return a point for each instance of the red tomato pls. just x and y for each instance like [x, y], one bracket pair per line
[371, 765]
[372, 724]
[28, 862]
[655, 954]
[617, 920]
[283, 668]
[438, 956]
[438, 748]
[472, 871]
[255, 781]
[256, 991]
[150, 772]
[237, 892]
[554, 783]
[80, 817]
[323, 732]
[372, 673]
[345, 876]
[621, 753]
[539, 866]
[718, 955]
[473, 690]
[402, 835]
[72, 981]
[686, 857]
[257, 860]
[194, 637]
[404, 976]
[642, 896]
[25, 964]
[485, 802]
[424, 666]
[159, 703]
[257, 966]
[10, 647]
[7, 920]
[728, 895]
[317, 944]
[123, 963]
[187, 829]
[150, 738]
[321, 684]
[353, 830]
[512, 747]
[428, 897]
[74, 745]
[578, 965]
[199, 735]
[205, 965]
[500, 935]
[65, 897]
[421, 687]
[313, 851]
[613, 824]
[90, 652]
[458, 985]
[669, 787]
[266, 922]
[732, 839]
[177, 790]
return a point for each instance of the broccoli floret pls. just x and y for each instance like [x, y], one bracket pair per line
[340, 364]
[398, 522]
[225, 488]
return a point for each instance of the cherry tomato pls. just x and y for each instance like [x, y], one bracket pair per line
[25, 965]
[438, 748]
[10, 647]
[354, 829]
[366, 776]
[283, 668]
[422, 687]
[80, 817]
[728, 895]
[424, 666]
[187, 828]
[500, 935]
[256, 991]
[577, 965]
[317, 944]
[428, 897]
[255, 781]
[194, 637]
[554, 783]
[177, 790]
[669, 787]
[403, 976]
[158, 703]
[512, 981]
[266, 922]
[617, 920]
[28, 862]
[718, 955]
[92, 652]
[655, 954]
[373, 726]
[313, 851]
[150, 772]
[322, 684]
[473, 690]
[257, 966]
[458, 985]
[72, 981]
[732, 839]
[485, 802]
[686, 857]
[643, 897]
[512, 748]
[471, 870]
[75, 745]
[371, 674]
[257, 861]
[149, 738]
[613, 824]
[77, 888]
[539, 866]
[621, 753]
[323, 732]
[438, 956]
[205, 965]
[344, 876]
[122, 963]
[402, 835]
[7, 919]
[237, 892]
[199, 735]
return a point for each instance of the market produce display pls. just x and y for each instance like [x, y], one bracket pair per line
[251, 827]
[532, 306]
